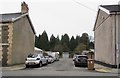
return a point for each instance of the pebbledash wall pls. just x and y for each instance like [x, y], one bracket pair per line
[23, 40]
[0, 43]
[106, 37]
[20, 42]
[118, 39]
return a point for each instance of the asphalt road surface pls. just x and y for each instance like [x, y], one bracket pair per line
[64, 67]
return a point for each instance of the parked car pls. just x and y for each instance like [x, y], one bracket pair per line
[49, 58]
[36, 60]
[80, 60]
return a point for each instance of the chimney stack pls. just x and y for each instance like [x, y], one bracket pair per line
[24, 7]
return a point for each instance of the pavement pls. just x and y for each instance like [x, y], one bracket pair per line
[14, 67]
[104, 69]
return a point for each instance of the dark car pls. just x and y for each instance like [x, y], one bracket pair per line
[80, 60]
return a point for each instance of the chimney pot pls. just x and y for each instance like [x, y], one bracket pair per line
[24, 7]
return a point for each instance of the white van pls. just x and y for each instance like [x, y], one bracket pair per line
[55, 55]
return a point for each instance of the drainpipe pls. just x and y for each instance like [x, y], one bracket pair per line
[115, 38]
[117, 46]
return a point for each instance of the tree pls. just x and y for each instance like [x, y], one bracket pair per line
[65, 41]
[44, 41]
[57, 40]
[38, 41]
[58, 48]
[91, 45]
[77, 40]
[52, 42]
[65, 44]
[80, 48]
[72, 43]
[65, 47]
[85, 40]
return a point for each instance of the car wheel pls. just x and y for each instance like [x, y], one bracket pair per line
[76, 65]
[40, 64]
[27, 66]
[46, 62]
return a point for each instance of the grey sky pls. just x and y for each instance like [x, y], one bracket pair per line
[59, 16]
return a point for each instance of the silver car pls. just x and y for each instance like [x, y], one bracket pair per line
[36, 60]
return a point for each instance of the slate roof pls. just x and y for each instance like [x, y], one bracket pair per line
[112, 8]
[9, 17]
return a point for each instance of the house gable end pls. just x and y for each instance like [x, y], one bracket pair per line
[32, 27]
[101, 17]
[13, 17]
[26, 14]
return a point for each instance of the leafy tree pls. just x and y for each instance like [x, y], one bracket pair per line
[65, 44]
[65, 47]
[85, 40]
[80, 48]
[58, 48]
[91, 45]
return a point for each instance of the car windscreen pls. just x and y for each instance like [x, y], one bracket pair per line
[32, 55]
[51, 56]
[46, 56]
[83, 57]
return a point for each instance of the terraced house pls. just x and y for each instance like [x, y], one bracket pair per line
[17, 36]
[107, 35]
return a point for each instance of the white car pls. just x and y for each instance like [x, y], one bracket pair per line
[35, 59]
[49, 58]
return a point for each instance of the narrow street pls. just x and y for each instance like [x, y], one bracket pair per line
[64, 67]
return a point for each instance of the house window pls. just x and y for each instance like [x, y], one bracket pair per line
[0, 35]
[4, 39]
[5, 28]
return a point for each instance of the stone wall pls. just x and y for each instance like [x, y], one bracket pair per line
[22, 41]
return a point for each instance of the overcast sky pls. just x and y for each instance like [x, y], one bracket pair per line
[58, 17]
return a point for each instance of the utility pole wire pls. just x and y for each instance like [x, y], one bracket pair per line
[84, 6]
